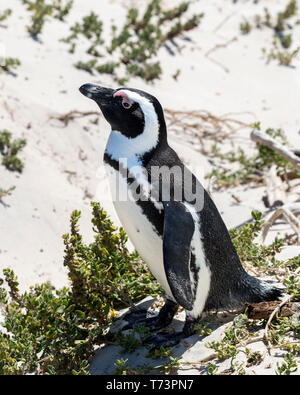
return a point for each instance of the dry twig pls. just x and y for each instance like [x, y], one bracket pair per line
[263, 310]
[275, 187]
[203, 125]
[9, 110]
[218, 46]
[286, 300]
[66, 118]
[288, 211]
[267, 141]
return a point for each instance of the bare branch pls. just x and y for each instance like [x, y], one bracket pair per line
[66, 118]
[267, 141]
[288, 211]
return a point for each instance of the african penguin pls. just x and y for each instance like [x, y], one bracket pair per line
[186, 245]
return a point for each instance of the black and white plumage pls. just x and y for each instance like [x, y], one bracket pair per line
[189, 251]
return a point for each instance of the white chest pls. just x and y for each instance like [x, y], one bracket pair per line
[138, 228]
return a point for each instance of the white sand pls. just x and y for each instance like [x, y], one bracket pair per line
[63, 164]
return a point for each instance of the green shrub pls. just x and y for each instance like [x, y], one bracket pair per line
[40, 9]
[86, 66]
[284, 57]
[61, 8]
[288, 366]
[6, 192]
[5, 14]
[245, 27]
[248, 250]
[281, 41]
[55, 331]
[9, 64]
[91, 28]
[107, 68]
[9, 150]
[136, 44]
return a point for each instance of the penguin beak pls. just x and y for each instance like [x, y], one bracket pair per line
[95, 92]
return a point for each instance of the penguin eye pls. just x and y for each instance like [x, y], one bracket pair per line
[126, 105]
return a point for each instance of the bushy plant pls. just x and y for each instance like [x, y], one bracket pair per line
[245, 27]
[282, 40]
[109, 270]
[5, 14]
[284, 57]
[6, 192]
[136, 44]
[40, 9]
[61, 8]
[248, 250]
[55, 331]
[9, 150]
[91, 28]
[9, 64]
[288, 366]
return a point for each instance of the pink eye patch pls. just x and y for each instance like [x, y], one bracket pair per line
[126, 102]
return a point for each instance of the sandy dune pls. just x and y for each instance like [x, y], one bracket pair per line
[221, 71]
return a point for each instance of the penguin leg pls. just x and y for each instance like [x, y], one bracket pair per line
[170, 340]
[160, 321]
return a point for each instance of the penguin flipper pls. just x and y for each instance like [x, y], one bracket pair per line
[178, 232]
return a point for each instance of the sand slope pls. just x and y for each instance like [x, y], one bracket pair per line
[221, 71]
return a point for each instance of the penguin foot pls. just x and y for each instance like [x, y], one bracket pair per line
[170, 340]
[163, 340]
[136, 318]
[163, 319]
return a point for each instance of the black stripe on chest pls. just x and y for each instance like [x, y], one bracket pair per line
[154, 216]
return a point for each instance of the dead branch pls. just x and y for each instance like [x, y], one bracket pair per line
[66, 118]
[215, 48]
[218, 46]
[275, 187]
[226, 69]
[223, 22]
[211, 123]
[203, 125]
[286, 300]
[288, 211]
[263, 310]
[9, 110]
[267, 141]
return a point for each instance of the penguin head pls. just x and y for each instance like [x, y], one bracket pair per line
[131, 112]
